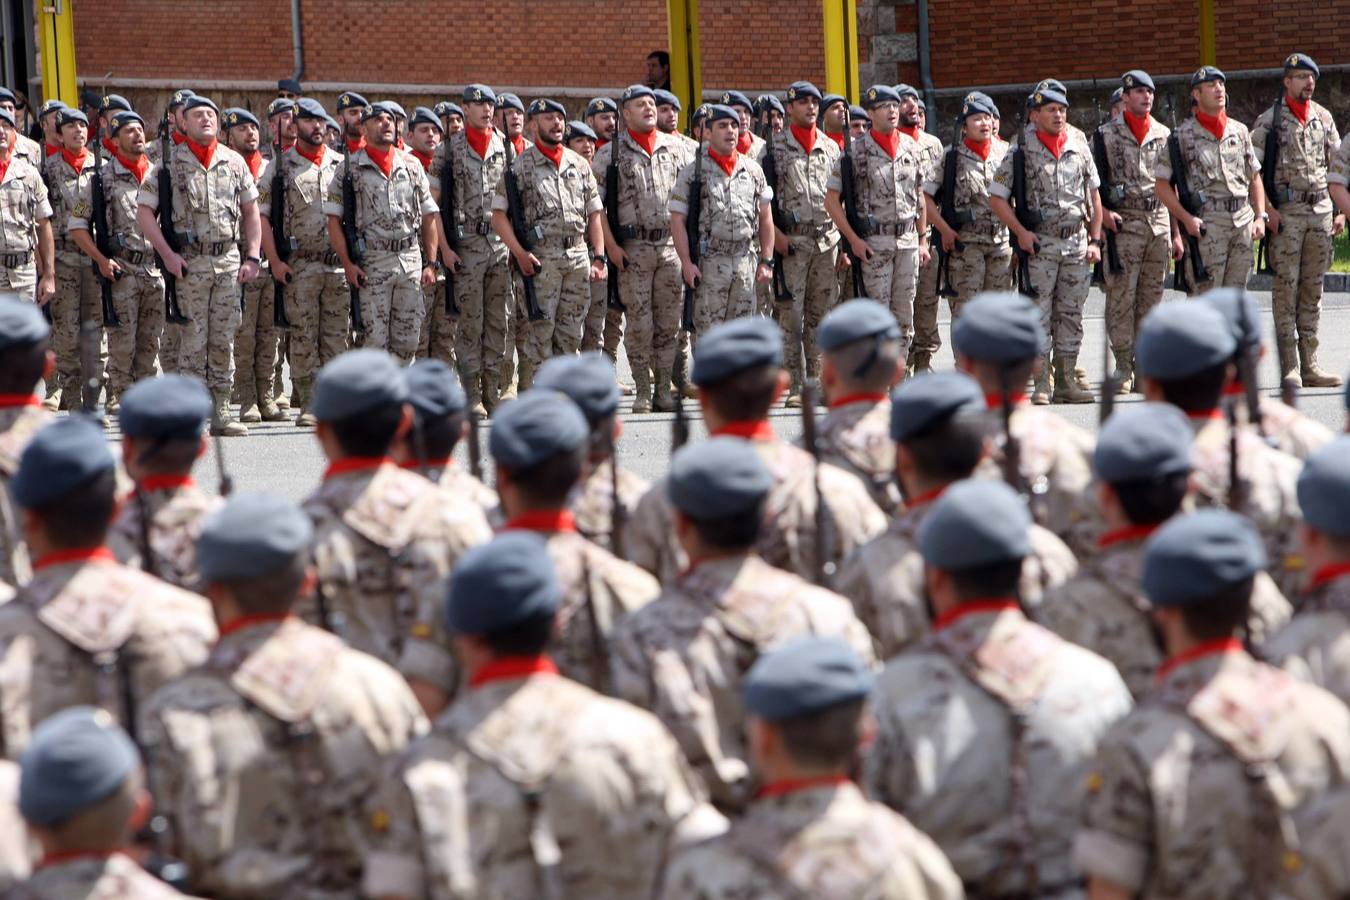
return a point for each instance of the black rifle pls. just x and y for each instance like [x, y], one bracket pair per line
[526, 236]
[280, 241]
[1012, 447]
[356, 245]
[1270, 158]
[811, 440]
[172, 311]
[848, 195]
[613, 300]
[951, 215]
[1026, 216]
[475, 451]
[1192, 201]
[679, 426]
[226, 481]
[618, 514]
[1112, 195]
[454, 232]
[98, 222]
[691, 230]
[781, 221]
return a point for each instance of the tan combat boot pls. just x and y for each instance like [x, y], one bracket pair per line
[1312, 375]
[524, 377]
[1067, 388]
[112, 401]
[267, 404]
[794, 393]
[302, 394]
[248, 402]
[664, 401]
[52, 401]
[1041, 393]
[642, 388]
[1124, 374]
[224, 423]
[1287, 352]
[473, 391]
[279, 389]
[920, 361]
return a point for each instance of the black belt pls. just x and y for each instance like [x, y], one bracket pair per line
[214, 248]
[1228, 204]
[131, 257]
[727, 248]
[650, 235]
[14, 260]
[1311, 197]
[806, 229]
[896, 229]
[327, 257]
[483, 229]
[992, 229]
[1143, 204]
[567, 243]
[1063, 232]
[397, 245]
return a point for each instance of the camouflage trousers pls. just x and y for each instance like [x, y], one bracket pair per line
[1227, 252]
[438, 326]
[926, 337]
[651, 291]
[483, 293]
[168, 346]
[764, 299]
[318, 306]
[725, 292]
[977, 268]
[613, 332]
[210, 301]
[809, 276]
[138, 297]
[77, 300]
[1132, 293]
[1061, 276]
[255, 345]
[891, 278]
[1300, 254]
[563, 288]
[593, 331]
[391, 303]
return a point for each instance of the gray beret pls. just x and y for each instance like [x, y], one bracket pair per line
[634, 91]
[21, 324]
[537, 425]
[197, 100]
[1141, 443]
[77, 759]
[350, 100]
[857, 114]
[977, 102]
[666, 98]
[1046, 96]
[1178, 340]
[578, 129]
[445, 109]
[122, 118]
[356, 382]
[180, 97]
[395, 108]
[717, 478]
[854, 320]
[736, 98]
[114, 101]
[732, 347]
[422, 114]
[975, 523]
[1136, 78]
[921, 402]
[511, 101]
[544, 104]
[1207, 73]
[880, 93]
[69, 115]
[600, 105]
[289, 85]
[766, 102]
[49, 107]
[587, 379]
[309, 108]
[801, 90]
[479, 93]
[1116, 96]
[1239, 308]
[1302, 61]
[903, 90]
[280, 105]
[250, 536]
[379, 107]
[502, 583]
[720, 111]
[238, 116]
[805, 676]
[60, 457]
[1324, 489]
[1002, 327]
[175, 407]
[433, 390]
[1193, 557]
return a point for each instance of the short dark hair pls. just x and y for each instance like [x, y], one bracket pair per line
[660, 56]
[600, 444]
[370, 433]
[738, 532]
[1000, 579]
[745, 396]
[1154, 500]
[439, 435]
[21, 367]
[530, 637]
[171, 457]
[550, 481]
[1220, 615]
[876, 357]
[827, 739]
[275, 592]
[1196, 393]
[81, 516]
[950, 449]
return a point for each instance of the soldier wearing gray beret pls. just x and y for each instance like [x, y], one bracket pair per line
[735, 346]
[975, 524]
[252, 536]
[502, 584]
[66, 455]
[357, 382]
[535, 427]
[720, 478]
[21, 326]
[1182, 340]
[1200, 558]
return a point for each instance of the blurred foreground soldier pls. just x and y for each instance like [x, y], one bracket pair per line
[439, 423]
[17, 850]
[810, 832]
[264, 757]
[987, 728]
[86, 629]
[384, 538]
[164, 423]
[862, 361]
[25, 225]
[1142, 465]
[25, 359]
[82, 793]
[738, 368]
[588, 380]
[1202, 790]
[1302, 218]
[938, 431]
[529, 785]
[683, 657]
[1184, 358]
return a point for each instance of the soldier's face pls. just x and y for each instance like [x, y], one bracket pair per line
[1051, 118]
[478, 114]
[885, 116]
[1300, 84]
[605, 124]
[667, 118]
[835, 117]
[979, 127]
[379, 130]
[859, 127]
[351, 120]
[1139, 101]
[425, 137]
[1211, 96]
[804, 112]
[310, 131]
[131, 139]
[179, 120]
[775, 121]
[583, 145]
[1117, 108]
[746, 121]
[515, 121]
[244, 138]
[454, 123]
[909, 111]
[50, 131]
[6, 139]
[551, 126]
[200, 124]
[74, 135]
[283, 126]
[723, 135]
[640, 114]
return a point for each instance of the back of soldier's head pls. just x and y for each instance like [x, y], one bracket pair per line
[1143, 453]
[861, 341]
[25, 339]
[588, 380]
[1204, 564]
[1186, 349]
[439, 408]
[940, 423]
[505, 593]
[539, 442]
[978, 532]
[360, 397]
[256, 547]
[67, 480]
[163, 422]
[720, 487]
[738, 368]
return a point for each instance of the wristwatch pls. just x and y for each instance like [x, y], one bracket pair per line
[767, 262]
[1265, 217]
[1094, 242]
[257, 261]
[600, 258]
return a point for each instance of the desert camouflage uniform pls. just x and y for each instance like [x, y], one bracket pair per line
[1315, 645]
[1288, 430]
[384, 542]
[684, 656]
[788, 538]
[79, 629]
[18, 424]
[176, 515]
[27, 149]
[828, 843]
[459, 484]
[439, 327]
[986, 258]
[255, 344]
[1200, 791]
[16, 854]
[592, 501]
[77, 297]
[986, 732]
[517, 758]
[1323, 852]
[263, 759]
[926, 337]
[94, 877]
[23, 203]
[856, 437]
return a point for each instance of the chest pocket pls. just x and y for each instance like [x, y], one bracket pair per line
[305, 189]
[402, 197]
[1231, 152]
[1310, 142]
[570, 190]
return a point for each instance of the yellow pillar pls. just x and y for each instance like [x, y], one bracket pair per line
[56, 34]
[1209, 52]
[841, 48]
[686, 74]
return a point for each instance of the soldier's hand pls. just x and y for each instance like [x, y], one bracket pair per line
[175, 265]
[46, 289]
[1194, 225]
[925, 254]
[620, 259]
[1111, 221]
[109, 269]
[780, 243]
[529, 264]
[691, 274]
[1338, 225]
[842, 262]
[248, 270]
[860, 249]
[763, 273]
[948, 238]
[281, 273]
[599, 271]
[1178, 248]
[1027, 241]
[356, 277]
[428, 276]
[452, 261]
[1258, 229]
[1273, 224]
[1094, 254]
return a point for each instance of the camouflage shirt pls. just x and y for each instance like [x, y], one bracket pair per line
[1305, 153]
[592, 501]
[731, 203]
[1132, 165]
[176, 514]
[68, 191]
[1220, 169]
[856, 437]
[389, 208]
[121, 188]
[476, 180]
[645, 182]
[1315, 645]
[93, 877]
[1287, 429]
[802, 180]
[555, 199]
[1059, 189]
[18, 424]
[307, 188]
[207, 202]
[890, 191]
[23, 203]
[973, 177]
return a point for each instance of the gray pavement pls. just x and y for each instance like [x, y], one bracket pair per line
[286, 460]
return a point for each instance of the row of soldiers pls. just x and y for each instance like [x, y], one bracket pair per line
[1096, 677]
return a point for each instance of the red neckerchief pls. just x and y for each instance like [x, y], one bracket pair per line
[75, 161]
[435, 462]
[203, 152]
[519, 143]
[1327, 574]
[83, 554]
[56, 857]
[837, 138]
[1205, 414]
[645, 140]
[805, 136]
[12, 401]
[400, 145]
[509, 668]
[856, 398]
[355, 145]
[1121, 535]
[50, 149]
[553, 154]
[354, 464]
[1055, 143]
[888, 142]
[980, 150]
[178, 137]
[1215, 125]
[972, 608]
[4, 166]
[1298, 107]
[750, 429]
[255, 162]
[995, 401]
[543, 520]
[316, 157]
[110, 145]
[285, 146]
[243, 622]
[479, 139]
[745, 142]
[1138, 126]
[727, 163]
[424, 159]
[1208, 648]
[792, 786]
[910, 131]
[140, 165]
[164, 483]
[925, 498]
[383, 159]
[600, 142]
